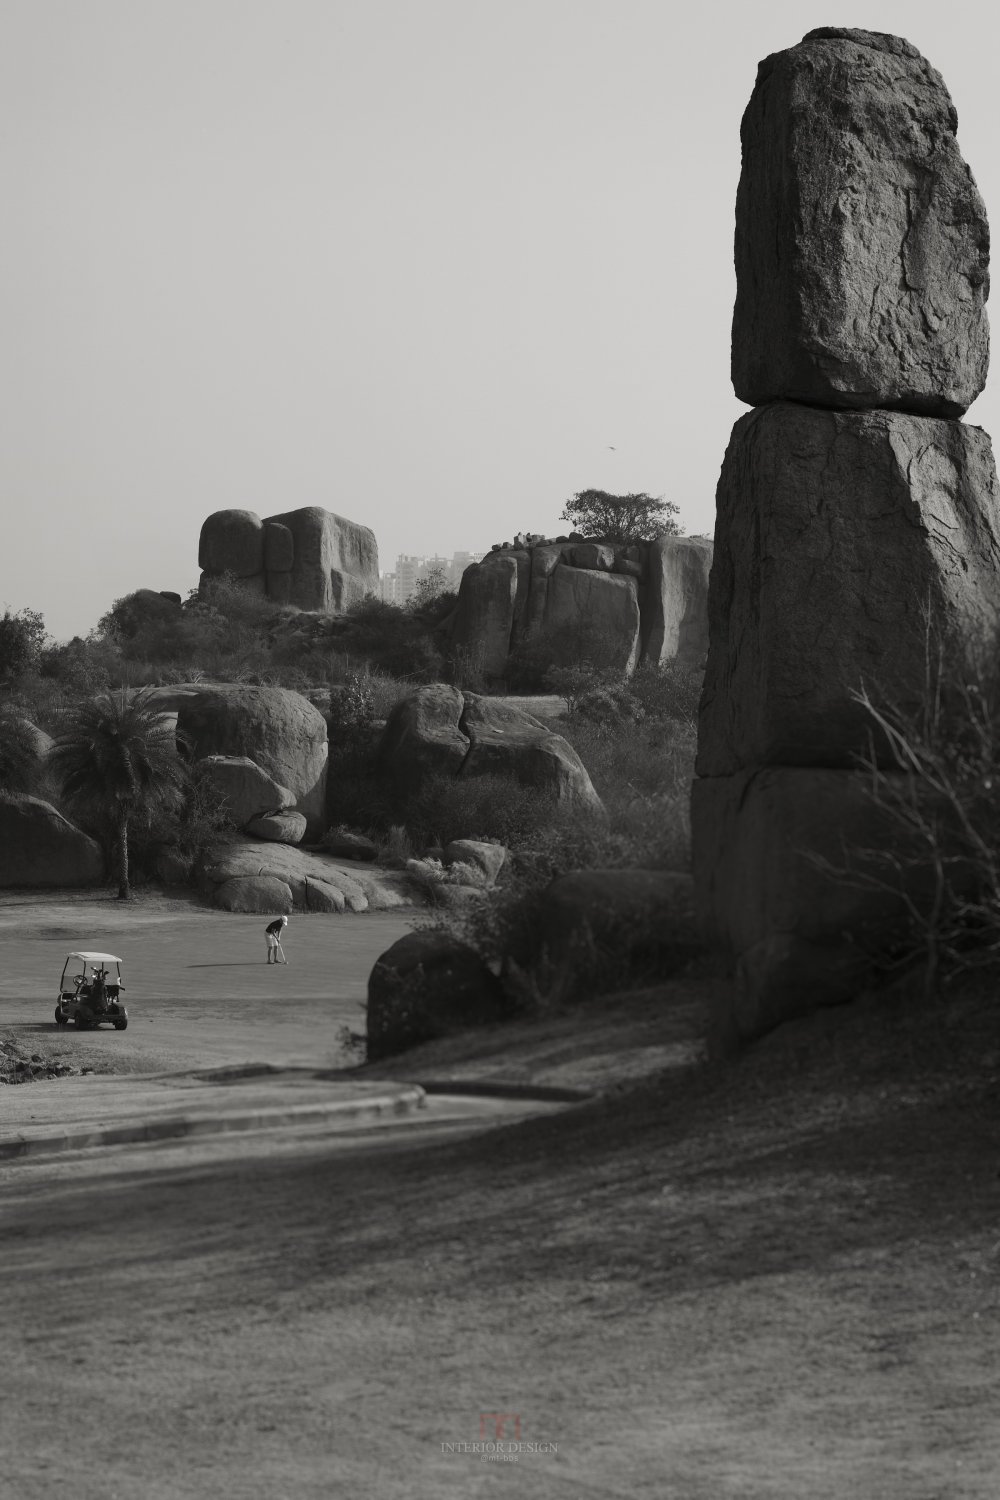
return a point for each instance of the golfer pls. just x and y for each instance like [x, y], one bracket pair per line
[273, 932]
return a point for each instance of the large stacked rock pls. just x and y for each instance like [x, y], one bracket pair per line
[440, 731]
[852, 505]
[310, 558]
[572, 601]
[265, 749]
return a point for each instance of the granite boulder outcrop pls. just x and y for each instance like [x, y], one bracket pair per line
[440, 731]
[310, 558]
[279, 731]
[585, 602]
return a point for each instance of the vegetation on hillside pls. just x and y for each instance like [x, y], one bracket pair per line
[225, 633]
[635, 738]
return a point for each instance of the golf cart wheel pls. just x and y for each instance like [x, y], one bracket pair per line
[120, 1025]
[61, 1019]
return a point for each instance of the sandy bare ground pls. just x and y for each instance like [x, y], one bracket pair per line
[769, 1279]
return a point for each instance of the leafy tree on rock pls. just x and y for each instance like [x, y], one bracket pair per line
[117, 758]
[621, 518]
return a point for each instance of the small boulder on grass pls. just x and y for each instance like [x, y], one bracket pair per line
[320, 896]
[427, 985]
[254, 893]
[281, 827]
[488, 858]
[346, 844]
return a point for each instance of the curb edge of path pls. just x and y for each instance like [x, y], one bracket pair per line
[486, 1088]
[403, 1101]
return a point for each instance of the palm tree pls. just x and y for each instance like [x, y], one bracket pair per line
[118, 758]
[19, 759]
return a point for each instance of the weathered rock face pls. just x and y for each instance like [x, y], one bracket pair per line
[321, 896]
[427, 985]
[592, 616]
[334, 562]
[362, 887]
[676, 611]
[288, 827]
[232, 541]
[422, 738]
[484, 619]
[39, 847]
[310, 557]
[509, 742]
[248, 790]
[278, 730]
[596, 555]
[836, 532]
[279, 548]
[606, 604]
[862, 245]
[790, 879]
[254, 893]
[439, 731]
[148, 607]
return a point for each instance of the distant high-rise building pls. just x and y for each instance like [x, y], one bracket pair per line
[400, 586]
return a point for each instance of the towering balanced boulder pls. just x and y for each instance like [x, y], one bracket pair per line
[851, 505]
[310, 557]
[862, 247]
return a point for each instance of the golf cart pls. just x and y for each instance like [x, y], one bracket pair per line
[90, 992]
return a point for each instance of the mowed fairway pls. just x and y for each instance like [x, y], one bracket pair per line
[198, 988]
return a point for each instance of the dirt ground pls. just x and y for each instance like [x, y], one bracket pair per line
[768, 1278]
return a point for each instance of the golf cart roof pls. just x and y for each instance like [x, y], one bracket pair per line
[97, 958]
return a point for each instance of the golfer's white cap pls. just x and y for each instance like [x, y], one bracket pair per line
[284, 921]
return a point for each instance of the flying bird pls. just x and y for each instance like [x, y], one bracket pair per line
[613, 448]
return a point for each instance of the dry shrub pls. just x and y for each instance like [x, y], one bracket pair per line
[435, 879]
[467, 667]
[489, 808]
[935, 772]
[396, 849]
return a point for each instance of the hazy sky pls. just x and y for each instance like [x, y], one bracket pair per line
[422, 262]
